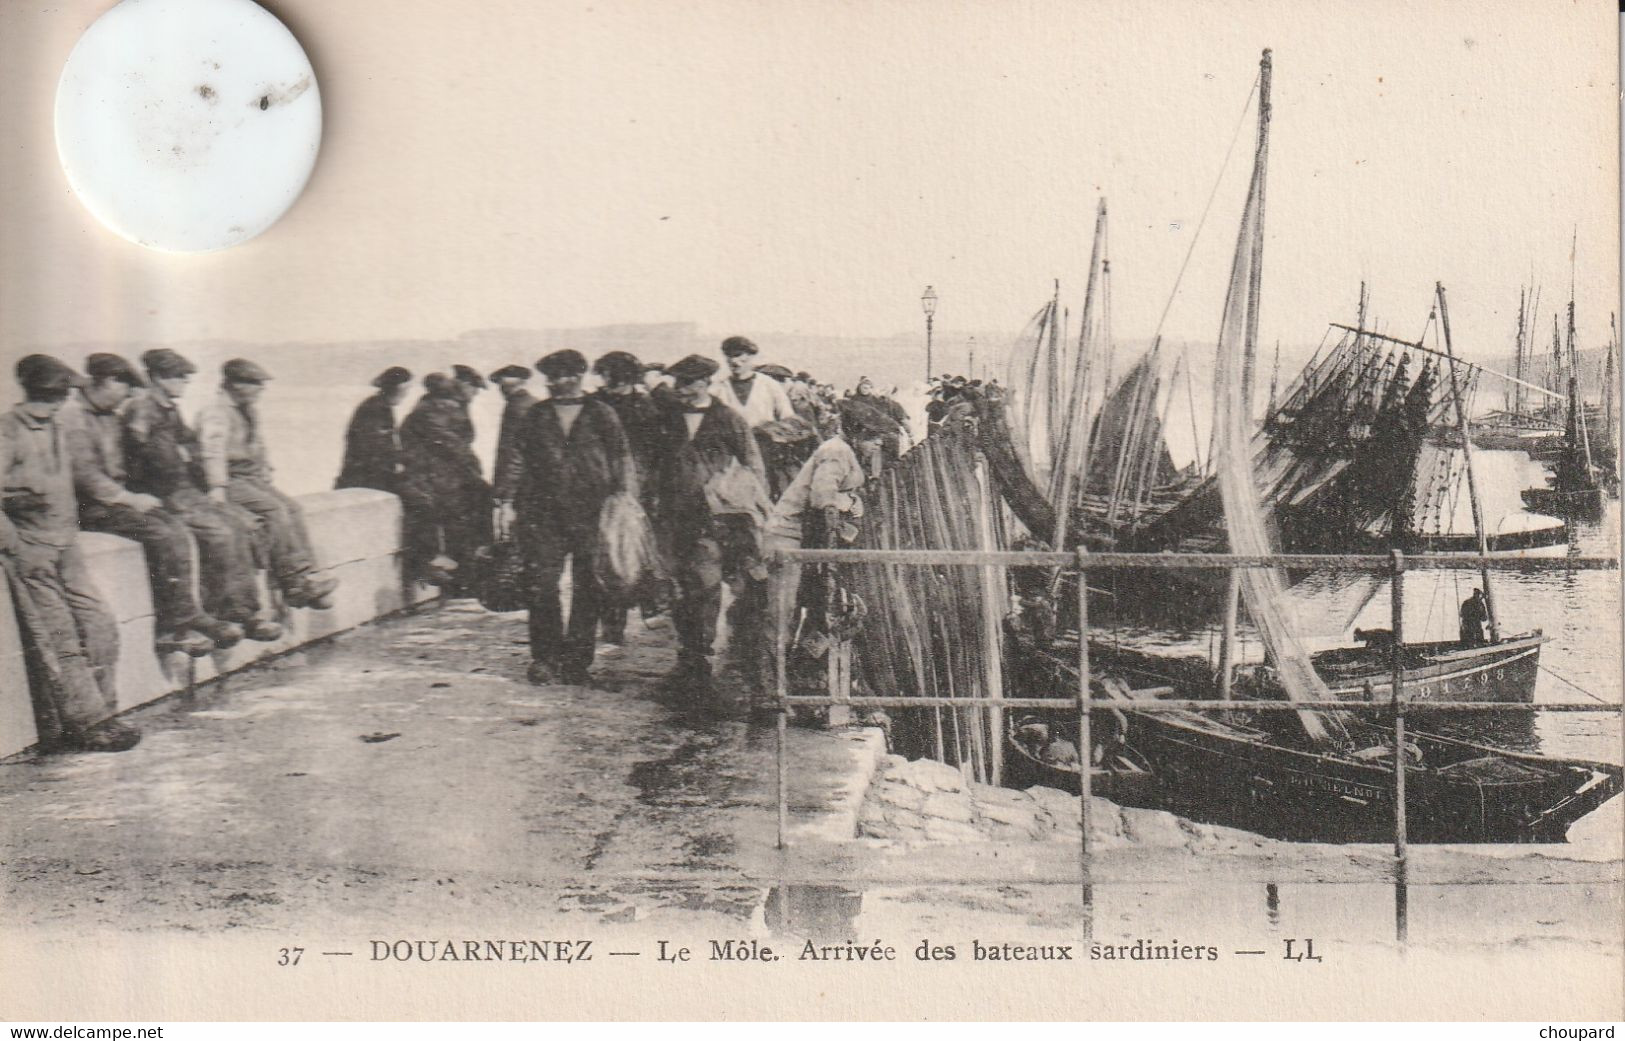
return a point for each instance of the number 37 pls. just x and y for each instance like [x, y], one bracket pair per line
[289, 955]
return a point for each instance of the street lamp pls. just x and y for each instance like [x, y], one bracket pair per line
[929, 303]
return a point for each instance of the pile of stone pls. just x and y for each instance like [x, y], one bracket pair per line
[925, 801]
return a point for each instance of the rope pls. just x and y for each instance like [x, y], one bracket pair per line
[1236, 136]
[1564, 679]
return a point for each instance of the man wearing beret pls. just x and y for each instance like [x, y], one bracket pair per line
[445, 501]
[372, 442]
[95, 443]
[39, 532]
[572, 455]
[697, 439]
[161, 458]
[510, 381]
[238, 470]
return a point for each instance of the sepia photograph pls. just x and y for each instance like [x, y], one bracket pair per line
[777, 511]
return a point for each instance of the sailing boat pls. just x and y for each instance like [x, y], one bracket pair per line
[1328, 777]
[1576, 485]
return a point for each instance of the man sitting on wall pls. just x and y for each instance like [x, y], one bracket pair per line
[95, 444]
[39, 532]
[237, 470]
[161, 456]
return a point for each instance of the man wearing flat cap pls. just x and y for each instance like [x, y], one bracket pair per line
[372, 441]
[161, 459]
[699, 439]
[237, 469]
[468, 385]
[510, 381]
[759, 400]
[572, 455]
[623, 390]
[64, 616]
[445, 501]
[95, 439]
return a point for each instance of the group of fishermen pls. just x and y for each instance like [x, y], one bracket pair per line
[107, 450]
[724, 465]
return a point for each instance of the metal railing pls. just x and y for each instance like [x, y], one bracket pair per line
[1395, 564]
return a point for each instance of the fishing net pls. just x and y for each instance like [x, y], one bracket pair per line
[628, 565]
[1263, 590]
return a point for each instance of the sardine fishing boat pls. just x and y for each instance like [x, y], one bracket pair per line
[1246, 771]
[1299, 772]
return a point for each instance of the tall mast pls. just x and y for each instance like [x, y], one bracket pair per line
[1261, 168]
[1072, 455]
[1608, 377]
[1275, 379]
[1517, 360]
[1456, 391]
[1232, 593]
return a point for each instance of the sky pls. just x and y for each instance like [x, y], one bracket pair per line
[810, 167]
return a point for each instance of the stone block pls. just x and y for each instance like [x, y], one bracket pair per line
[939, 830]
[895, 793]
[953, 806]
[928, 775]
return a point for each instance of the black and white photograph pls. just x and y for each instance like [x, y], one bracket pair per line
[719, 510]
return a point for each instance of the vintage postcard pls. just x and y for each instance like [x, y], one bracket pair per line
[803, 511]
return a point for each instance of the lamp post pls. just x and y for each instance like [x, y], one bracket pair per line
[970, 360]
[929, 303]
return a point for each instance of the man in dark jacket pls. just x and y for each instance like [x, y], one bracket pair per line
[624, 392]
[162, 458]
[446, 502]
[94, 436]
[572, 455]
[697, 439]
[372, 444]
[510, 381]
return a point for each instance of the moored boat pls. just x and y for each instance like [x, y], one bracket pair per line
[1251, 771]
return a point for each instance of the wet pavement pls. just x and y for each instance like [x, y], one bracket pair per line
[406, 775]
[408, 770]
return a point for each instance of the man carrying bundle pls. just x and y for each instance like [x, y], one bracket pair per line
[571, 456]
[624, 392]
[700, 440]
[372, 442]
[820, 507]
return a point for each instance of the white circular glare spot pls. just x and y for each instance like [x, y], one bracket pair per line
[188, 125]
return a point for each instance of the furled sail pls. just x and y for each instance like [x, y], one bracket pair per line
[1263, 590]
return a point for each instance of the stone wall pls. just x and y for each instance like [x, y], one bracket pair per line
[356, 536]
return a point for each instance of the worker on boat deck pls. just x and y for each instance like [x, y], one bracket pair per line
[702, 448]
[372, 441]
[1475, 613]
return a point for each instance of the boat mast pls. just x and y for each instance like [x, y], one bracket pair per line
[1232, 591]
[1076, 419]
[1275, 379]
[1517, 361]
[1467, 458]
[1608, 377]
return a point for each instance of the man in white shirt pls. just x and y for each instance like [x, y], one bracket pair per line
[825, 489]
[758, 399]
